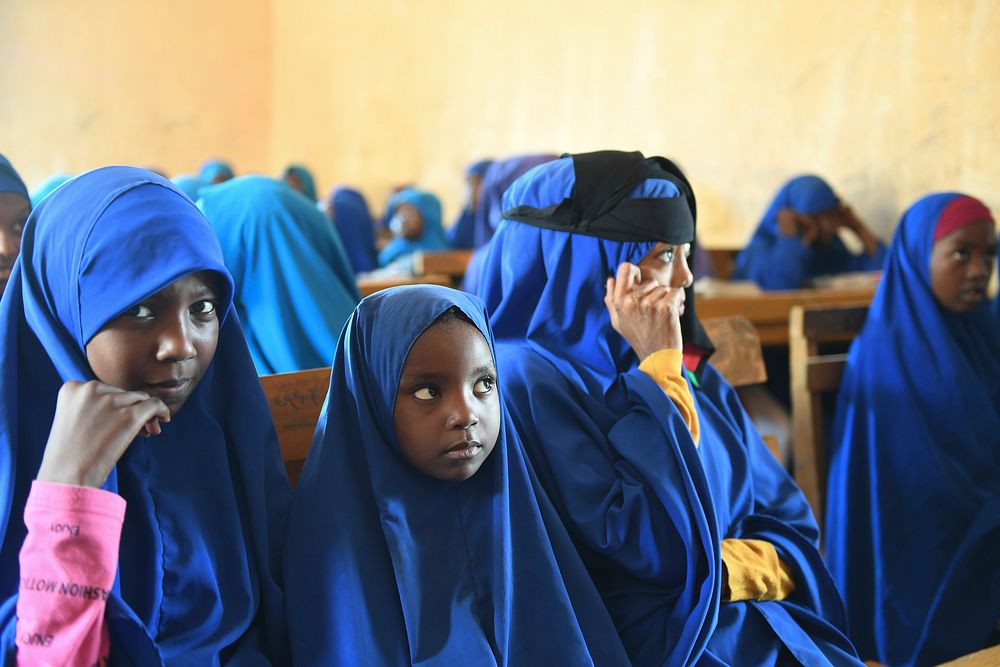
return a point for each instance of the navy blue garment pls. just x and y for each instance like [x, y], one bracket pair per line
[208, 497]
[646, 506]
[349, 212]
[778, 262]
[305, 179]
[385, 565]
[294, 284]
[432, 237]
[913, 500]
[462, 232]
[10, 180]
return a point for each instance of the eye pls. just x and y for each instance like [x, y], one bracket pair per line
[141, 311]
[667, 255]
[484, 385]
[426, 393]
[960, 255]
[204, 307]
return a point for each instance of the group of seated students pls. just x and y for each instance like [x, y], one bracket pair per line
[547, 471]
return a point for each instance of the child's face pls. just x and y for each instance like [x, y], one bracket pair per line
[447, 415]
[163, 344]
[961, 266]
[407, 222]
[14, 211]
[293, 180]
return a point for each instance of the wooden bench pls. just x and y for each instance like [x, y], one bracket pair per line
[368, 287]
[815, 373]
[296, 400]
[442, 262]
[988, 657]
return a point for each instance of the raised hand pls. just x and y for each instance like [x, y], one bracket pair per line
[646, 314]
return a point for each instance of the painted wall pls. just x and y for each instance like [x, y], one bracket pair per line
[889, 100]
[165, 84]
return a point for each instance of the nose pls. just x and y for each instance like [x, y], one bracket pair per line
[462, 412]
[682, 276]
[176, 342]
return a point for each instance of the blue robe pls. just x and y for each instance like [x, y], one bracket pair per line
[432, 237]
[355, 227]
[189, 184]
[208, 497]
[462, 232]
[646, 507]
[294, 284]
[913, 498]
[385, 565]
[778, 262]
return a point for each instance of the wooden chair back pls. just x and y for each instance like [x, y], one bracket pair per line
[296, 400]
[814, 373]
[442, 262]
[368, 287]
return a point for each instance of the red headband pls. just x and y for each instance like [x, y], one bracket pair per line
[959, 212]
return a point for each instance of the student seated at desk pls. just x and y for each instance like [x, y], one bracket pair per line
[913, 500]
[125, 383]
[215, 171]
[461, 235]
[348, 211]
[418, 534]
[15, 207]
[797, 239]
[703, 547]
[295, 286]
[415, 221]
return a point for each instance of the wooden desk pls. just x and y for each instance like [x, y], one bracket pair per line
[447, 262]
[367, 287]
[768, 311]
[988, 657]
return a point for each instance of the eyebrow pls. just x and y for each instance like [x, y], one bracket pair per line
[437, 376]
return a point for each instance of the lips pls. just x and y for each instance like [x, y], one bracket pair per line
[464, 450]
[169, 389]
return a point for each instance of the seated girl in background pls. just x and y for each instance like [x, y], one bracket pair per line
[301, 180]
[214, 171]
[418, 534]
[117, 322]
[463, 231]
[797, 239]
[15, 206]
[703, 548]
[415, 220]
[913, 501]
[348, 211]
[294, 284]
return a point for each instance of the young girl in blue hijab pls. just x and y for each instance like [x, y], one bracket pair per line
[349, 213]
[294, 284]
[15, 206]
[215, 171]
[301, 180]
[415, 220]
[703, 548]
[913, 500]
[418, 534]
[462, 232]
[797, 239]
[118, 322]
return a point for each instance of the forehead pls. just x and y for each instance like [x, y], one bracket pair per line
[407, 209]
[202, 283]
[448, 347]
[977, 233]
[13, 204]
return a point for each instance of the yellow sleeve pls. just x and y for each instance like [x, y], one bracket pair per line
[664, 366]
[752, 570]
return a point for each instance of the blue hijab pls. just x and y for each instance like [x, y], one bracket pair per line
[461, 234]
[207, 498]
[305, 178]
[388, 566]
[10, 181]
[47, 186]
[646, 507]
[432, 237]
[353, 223]
[778, 262]
[294, 284]
[913, 509]
[189, 184]
[212, 169]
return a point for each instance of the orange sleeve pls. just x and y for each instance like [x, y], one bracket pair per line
[664, 366]
[752, 570]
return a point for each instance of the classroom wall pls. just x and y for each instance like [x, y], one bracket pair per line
[888, 100]
[165, 84]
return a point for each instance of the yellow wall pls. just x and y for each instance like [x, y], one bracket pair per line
[167, 84]
[889, 100]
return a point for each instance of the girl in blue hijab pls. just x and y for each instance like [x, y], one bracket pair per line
[913, 501]
[348, 210]
[214, 172]
[461, 234]
[415, 219]
[301, 180]
[797, 239]
[15, 206]
[294, 284]
[703, 548]
[418, 534]
[120, 306]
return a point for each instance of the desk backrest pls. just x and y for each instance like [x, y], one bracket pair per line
[814, 373]
[443, 262]
[368, 287]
